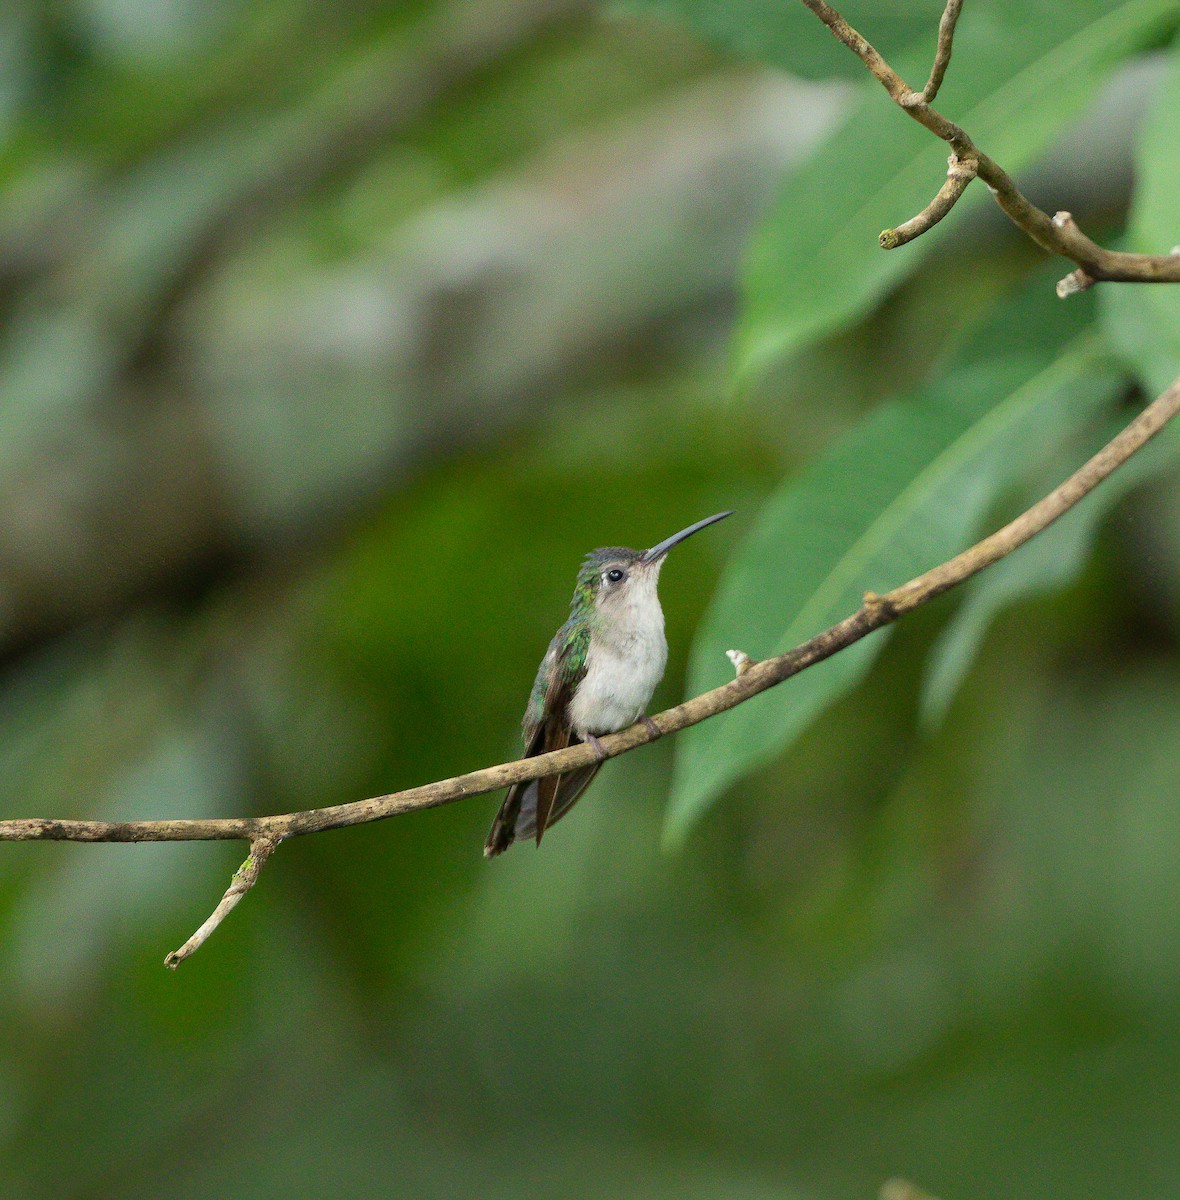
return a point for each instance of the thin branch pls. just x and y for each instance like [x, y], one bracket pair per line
[959, 174]
[752, 678]
[1042, 514]
[889, 78]
[756, 677]
[942, 56]
[1058, 236]
[244, 879]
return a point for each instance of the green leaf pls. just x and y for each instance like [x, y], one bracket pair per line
[1144, 322]
[1051, 561]
[900, 493]
[1089, 826]
[786, 35]
[816, 264]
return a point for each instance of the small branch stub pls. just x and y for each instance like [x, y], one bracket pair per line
[880, 608]
[1075, 282]
[742, 662]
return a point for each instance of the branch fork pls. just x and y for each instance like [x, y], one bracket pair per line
[1058, 236]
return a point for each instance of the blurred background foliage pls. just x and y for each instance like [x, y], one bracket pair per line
[331, 337]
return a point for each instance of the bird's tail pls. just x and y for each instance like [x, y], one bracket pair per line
[517, 818]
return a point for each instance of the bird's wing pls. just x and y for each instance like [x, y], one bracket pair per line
[554, 731]
[546, 727]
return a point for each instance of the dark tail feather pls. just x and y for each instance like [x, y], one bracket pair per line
[543, 797]
[570, 787]
[503, 828]
[517, 818]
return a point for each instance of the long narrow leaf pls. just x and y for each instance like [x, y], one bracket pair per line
[904, 490]
[1144, 322]
[1051, 561]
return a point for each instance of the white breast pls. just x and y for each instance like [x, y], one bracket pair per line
[625, 661]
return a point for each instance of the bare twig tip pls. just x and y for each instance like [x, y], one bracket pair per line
[942, 57]
[742, 662]
[1075, 282]
[959, 173]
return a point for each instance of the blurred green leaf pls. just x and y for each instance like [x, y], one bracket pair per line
[1144, 322]
[816, 264]
[901, 953]
[1051, 561]
[786, 35]
[1094, 852]
[901, 492]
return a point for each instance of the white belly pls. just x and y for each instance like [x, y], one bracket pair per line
[620, 678]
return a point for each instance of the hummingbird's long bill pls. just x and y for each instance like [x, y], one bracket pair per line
[657, 552]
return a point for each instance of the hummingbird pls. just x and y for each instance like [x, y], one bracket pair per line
[596, 678]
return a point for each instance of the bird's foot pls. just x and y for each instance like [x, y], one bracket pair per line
[652, 727]
[599, 748]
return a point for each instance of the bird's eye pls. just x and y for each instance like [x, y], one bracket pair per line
[614, 575]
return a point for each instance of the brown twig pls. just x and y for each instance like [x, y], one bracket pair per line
[244, 879]
[1058, 235]
[942, 56]
[959, 174]
[265, 833]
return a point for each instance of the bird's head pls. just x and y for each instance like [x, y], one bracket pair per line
[615, 577]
